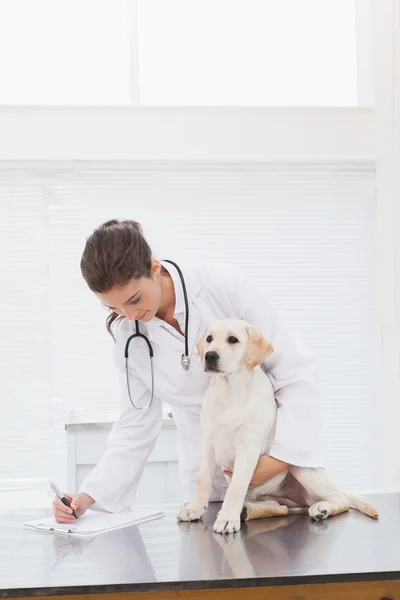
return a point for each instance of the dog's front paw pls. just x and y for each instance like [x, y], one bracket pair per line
[320, 511]
[191, 512]
[227, 523]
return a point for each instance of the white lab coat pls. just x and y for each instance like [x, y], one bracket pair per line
[214, 291]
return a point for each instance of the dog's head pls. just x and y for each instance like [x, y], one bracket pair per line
[231, 344]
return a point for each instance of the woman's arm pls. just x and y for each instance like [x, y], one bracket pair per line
[114, 480]
[267, 467]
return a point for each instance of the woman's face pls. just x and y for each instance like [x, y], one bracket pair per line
[139, 299]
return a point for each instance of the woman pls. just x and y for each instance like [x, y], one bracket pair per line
[118, 266]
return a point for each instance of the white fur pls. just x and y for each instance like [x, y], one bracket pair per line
[238, 421]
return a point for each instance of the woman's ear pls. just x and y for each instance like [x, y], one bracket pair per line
[200, 345]
[258, 348]
[155, 267]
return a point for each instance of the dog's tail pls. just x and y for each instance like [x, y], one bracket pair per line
[362, 506]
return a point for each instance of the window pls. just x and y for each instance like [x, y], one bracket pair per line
[56, 52]
[185, 52]
[247, 52]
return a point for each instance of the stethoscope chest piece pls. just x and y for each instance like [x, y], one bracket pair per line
[185, 362]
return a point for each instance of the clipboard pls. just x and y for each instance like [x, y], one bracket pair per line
[95, 522]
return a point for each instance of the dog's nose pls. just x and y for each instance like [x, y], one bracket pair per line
[211, 357]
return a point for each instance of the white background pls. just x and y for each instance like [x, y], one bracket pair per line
[239, 147]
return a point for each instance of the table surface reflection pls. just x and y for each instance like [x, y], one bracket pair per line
[168, 555]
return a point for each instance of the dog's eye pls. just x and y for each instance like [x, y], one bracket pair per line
[232, 340]
[209, 339]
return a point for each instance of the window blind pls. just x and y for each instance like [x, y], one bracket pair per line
[305, 232]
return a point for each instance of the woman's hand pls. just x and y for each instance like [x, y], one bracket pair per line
[79, 503]
[267, 467]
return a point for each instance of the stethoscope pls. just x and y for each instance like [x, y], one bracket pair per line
[185, 360]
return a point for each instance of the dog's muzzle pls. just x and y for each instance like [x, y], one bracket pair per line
[212, 360]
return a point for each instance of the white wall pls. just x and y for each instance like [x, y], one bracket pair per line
[386, 62]
[238, 134]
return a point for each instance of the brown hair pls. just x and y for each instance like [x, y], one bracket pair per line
[115, 253]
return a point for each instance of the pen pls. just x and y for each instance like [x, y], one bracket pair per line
[62, 498]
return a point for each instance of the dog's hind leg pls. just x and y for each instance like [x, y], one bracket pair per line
[324, 498]
[262, 509]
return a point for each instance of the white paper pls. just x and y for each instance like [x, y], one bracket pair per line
[95, 522]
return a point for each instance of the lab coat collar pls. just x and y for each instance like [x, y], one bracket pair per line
[179, 297]
[192, 282]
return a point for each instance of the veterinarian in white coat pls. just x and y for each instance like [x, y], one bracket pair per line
[118, 266]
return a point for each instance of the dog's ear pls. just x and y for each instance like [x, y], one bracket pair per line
[258, 348]
[200, 345]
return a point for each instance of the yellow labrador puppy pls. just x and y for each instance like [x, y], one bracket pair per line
[238, 421]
